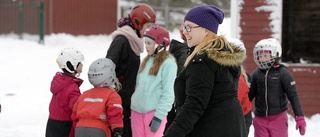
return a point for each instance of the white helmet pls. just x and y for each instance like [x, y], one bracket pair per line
[102, 73]
[69, 59]
[270, 45]
[237, 43]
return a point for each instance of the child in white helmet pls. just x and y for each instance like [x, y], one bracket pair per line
[153, 97]
[272, 86]
[99, 108]
[65, 92]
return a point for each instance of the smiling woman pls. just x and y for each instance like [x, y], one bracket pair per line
[212, 94]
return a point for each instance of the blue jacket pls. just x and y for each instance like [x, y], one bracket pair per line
[155, 92]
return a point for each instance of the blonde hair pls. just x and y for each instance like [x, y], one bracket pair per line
[211, 43]
[243, 72]
[159, 58]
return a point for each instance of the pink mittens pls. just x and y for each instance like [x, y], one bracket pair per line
[301, 124]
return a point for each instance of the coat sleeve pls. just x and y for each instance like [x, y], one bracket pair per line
[242, 89]
[116, 51]
[253, 86]
[114, 111]
[199, 87]
[73, 95]
[290, 89]
[168, 75]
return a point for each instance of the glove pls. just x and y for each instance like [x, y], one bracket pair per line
[117, 132]
[155, 124]
[118, 85]
[301, 124]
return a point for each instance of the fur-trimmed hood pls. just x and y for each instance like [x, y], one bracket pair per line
[226, 58]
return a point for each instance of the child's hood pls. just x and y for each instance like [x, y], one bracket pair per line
[61, 81]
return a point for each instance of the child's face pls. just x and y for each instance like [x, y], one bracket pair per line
[150, 47]
[264, 56]
[79, 68]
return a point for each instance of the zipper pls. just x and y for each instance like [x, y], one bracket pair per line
[266, 92]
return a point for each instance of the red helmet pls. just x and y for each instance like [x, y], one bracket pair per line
[159, 34]
[181, 31]
[141, 14]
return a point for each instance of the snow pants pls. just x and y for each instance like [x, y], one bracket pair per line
[140, 124]
[89, 132]
[271, 126]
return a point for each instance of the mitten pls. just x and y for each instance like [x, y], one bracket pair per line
[117, 132]
[155, 124]
[301, 124]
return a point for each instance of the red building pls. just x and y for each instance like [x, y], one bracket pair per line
[76, 17]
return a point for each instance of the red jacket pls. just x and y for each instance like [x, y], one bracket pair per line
[243, 91]
[99, 108]
[65, 92]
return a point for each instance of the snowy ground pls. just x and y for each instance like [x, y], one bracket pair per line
[28, 67]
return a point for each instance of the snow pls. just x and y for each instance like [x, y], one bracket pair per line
[28, 67]
[275, 7]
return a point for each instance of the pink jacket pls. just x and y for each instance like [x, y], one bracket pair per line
[65, 92]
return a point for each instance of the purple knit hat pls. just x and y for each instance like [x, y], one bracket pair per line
[206, 16]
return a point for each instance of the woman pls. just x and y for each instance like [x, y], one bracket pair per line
[125, 50]
[206, 90]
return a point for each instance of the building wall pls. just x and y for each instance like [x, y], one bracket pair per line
[81, 17]
[254, 26]
[77, 17]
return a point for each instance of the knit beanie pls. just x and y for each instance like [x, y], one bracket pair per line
[206, 16]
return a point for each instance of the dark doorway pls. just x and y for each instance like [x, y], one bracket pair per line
[301, 31]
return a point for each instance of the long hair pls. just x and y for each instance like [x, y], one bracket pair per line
[212, 43]
[243, 72]
[159, 58]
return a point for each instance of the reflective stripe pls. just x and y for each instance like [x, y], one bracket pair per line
[93, 100]
[117, 105]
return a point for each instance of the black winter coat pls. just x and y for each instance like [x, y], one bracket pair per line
[127, 65]
[206, 97]
[180, 52]
[271, 94]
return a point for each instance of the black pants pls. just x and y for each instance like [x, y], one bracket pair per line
[126, 122]
[170, 117]
[56, 128]
[248, 121]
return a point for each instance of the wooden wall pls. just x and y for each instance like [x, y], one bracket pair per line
[81, 17]
[76, 17]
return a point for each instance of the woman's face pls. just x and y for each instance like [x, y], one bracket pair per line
[194, 33]
[145, 27]
[150, 46]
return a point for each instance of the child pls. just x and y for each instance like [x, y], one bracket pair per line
[125, 50]
[153, 97]
[99, 108]
[65, 92]
[272, 84]
[180, 52]
[243, 87]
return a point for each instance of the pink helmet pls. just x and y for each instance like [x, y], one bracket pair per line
[159, 34]
[141, 14]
